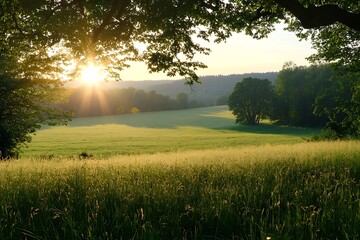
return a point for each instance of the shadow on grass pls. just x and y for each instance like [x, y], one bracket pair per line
[209, 118]
[267, 128]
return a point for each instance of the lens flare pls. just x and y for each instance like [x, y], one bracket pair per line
[92, 74]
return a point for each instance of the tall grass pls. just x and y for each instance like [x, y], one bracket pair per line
[302, 191]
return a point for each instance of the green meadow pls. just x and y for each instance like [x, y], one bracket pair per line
[190, 174]
[171, 131]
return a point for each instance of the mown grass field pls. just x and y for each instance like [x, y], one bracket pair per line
[189, 174]
[202, 128]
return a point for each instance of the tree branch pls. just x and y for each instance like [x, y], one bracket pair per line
[115, 7]
[325, 15]
[17, 26]
[209, 6]
[260, 14]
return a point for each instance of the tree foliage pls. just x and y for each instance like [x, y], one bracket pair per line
[29, 83]
[95, 102]
[318, 96]
[251, 100]
[340, 104]
[109, 31]
[296, 89]
[24, 108]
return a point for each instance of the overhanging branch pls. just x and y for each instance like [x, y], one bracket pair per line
[325, 15]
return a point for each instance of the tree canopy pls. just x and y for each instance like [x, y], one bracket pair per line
[340, 104]
[251, 100]
[25, 105]
[109, 31]
[296, 91]
[30, 82]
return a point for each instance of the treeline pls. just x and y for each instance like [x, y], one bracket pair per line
[86, 102]
[315, 96]
[319, 95]
[295, 93]
[213, 90]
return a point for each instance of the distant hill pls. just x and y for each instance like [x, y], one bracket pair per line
[211, 87]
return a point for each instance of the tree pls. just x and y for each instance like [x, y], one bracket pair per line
[24, 108]
[251, 100]
[296, 89]
[183, 100]
[29, 87]
[340, 104]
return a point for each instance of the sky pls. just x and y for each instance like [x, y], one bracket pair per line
[240, 54]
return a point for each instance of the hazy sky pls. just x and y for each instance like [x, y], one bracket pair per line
[240, 54]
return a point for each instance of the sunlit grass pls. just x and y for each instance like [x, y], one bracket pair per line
[197, 129]
[299, 191]
[189, 174]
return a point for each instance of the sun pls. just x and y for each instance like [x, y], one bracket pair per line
[92, 74]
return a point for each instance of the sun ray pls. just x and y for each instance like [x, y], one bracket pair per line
[93, 99]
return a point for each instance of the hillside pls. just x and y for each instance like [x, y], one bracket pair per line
[211, 87]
